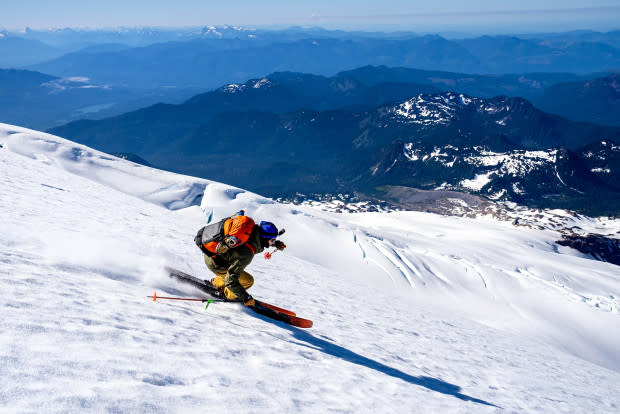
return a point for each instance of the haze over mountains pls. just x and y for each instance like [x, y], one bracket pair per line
[42, 101]
[210, 63]
[209, 57]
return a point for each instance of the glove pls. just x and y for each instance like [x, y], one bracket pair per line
[250, 301]
[279, 245]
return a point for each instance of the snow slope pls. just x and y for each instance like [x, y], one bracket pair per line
[412, 312]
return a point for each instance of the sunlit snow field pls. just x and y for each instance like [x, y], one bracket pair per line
[413, 312]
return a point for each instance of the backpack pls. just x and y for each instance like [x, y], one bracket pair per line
[228, 233]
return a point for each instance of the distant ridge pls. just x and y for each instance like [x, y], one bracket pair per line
[241, 133]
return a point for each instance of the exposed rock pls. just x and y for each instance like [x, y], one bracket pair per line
[600, 247]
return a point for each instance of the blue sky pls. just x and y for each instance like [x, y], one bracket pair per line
[439, 15]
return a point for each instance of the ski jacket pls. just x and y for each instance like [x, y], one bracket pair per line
[234, 261]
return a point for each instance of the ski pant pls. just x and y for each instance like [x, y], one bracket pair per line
[245, 279]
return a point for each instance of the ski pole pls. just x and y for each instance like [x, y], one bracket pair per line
[209, 301]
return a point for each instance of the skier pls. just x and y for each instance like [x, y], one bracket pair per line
[229, 264]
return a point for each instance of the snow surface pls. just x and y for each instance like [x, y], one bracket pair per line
[413, 312]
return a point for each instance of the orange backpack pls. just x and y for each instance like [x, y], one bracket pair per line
[217, 238]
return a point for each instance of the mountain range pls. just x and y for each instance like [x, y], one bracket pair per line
[210, 61]
[261, 135]
[37, 100]
[584, 179]
[341, 132]
[596, 100]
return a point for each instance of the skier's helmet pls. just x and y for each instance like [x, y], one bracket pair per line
[268, 230]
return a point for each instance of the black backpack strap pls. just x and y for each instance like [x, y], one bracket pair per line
[198, 238]
[198, 241]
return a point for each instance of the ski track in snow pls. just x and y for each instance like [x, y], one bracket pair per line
[418, 313]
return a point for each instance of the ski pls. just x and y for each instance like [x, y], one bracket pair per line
[209, 289]
[274, 308]
[200, 284]
[283, 317]
[263, 308]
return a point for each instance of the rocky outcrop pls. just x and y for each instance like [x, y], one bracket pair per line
[600, 247]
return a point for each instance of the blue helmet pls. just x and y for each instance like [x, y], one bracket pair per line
[268, 230]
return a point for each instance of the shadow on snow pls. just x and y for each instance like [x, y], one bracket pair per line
[338, 351]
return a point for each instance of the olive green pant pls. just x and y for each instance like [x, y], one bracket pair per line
[245, 279]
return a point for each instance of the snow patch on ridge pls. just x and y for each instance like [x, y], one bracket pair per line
[434, 109]
[477, 183]
[515, 163]
[425, 110]
[261, 83]
[233, 88]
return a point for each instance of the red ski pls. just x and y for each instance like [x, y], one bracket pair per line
[274, 308]
[283, 317]
[263, 308]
